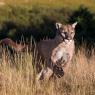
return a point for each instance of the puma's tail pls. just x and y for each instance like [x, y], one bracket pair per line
[12, 44]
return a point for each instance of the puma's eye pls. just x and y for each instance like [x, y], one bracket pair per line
[60, 28]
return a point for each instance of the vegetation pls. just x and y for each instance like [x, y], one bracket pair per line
[37, 19]
[26, 18]
[72, 4]
[20, 78]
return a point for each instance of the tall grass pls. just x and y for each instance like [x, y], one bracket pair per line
[19, 78]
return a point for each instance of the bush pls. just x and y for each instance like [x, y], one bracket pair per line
[36, 21]
[39, 22]
[85, 30]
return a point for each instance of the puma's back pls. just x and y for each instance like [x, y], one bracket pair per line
[46, 46]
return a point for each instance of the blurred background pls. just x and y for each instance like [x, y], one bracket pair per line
[37, 18]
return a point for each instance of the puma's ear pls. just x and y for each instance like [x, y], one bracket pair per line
[58, 25]
[74, 24]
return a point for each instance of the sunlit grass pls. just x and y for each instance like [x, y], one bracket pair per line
[17, 76]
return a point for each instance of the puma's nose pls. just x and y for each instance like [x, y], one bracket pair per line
[66, 33]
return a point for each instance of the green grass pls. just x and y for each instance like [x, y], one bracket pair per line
[26, 5]
[73, 4]
[18, 11]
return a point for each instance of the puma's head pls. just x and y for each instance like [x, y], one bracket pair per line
[66, 31]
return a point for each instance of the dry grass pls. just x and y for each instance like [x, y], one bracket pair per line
[19, 79]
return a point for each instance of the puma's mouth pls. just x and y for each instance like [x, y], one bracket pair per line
[68, 41]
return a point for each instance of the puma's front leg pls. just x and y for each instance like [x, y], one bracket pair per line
[45, 74]
[66, 67]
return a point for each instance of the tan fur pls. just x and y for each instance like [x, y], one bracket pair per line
[61, 46]
[13, 45]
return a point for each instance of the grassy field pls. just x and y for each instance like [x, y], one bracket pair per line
[73, 4]
[19, 79]
[17, 74]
